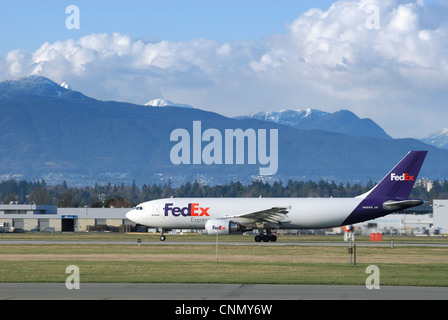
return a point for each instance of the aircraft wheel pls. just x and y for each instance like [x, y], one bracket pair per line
[162, 238]
[258, 238]
[273, 238]
[266, 238]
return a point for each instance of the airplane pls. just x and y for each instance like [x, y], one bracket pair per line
[223, 216]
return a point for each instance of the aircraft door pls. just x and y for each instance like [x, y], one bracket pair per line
[156, 209]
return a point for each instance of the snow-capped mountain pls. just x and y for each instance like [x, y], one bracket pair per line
[36, 86]
[165, 103]
[343, 121]
[288, 117]
[438, 139]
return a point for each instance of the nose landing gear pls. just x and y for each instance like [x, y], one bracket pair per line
[162, 237]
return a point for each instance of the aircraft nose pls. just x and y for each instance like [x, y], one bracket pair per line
[131, 215]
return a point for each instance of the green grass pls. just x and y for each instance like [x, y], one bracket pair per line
[225, 272]
[252, 264]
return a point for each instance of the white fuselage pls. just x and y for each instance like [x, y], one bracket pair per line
[193, 213]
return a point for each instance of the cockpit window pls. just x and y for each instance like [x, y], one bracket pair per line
[138, 208]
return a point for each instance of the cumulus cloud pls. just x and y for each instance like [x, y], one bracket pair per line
[368, 56]
[335, 49]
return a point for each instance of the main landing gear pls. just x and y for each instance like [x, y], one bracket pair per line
[266, 237]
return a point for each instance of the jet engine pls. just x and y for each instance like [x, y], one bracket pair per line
[222, 226]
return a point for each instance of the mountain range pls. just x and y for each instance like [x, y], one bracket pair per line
[343, 121]
[53, 133]
[438, 139]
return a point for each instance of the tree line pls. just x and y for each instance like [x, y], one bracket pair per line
[122, 195]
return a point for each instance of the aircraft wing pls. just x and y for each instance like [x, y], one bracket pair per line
[273, 217]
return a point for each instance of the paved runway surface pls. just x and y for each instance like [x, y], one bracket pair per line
[229, 243]
[161, 291]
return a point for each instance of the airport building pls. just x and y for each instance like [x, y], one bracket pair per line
[33, 217]
[441, 215]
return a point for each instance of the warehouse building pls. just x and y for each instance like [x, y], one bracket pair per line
[26, 216]
[33, 217]
[441, 215]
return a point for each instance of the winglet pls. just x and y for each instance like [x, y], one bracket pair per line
[399, 181]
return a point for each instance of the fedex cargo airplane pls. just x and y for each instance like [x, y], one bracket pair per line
[238, 215]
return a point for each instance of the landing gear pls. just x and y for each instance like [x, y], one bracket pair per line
[266, 237]
[162, 237]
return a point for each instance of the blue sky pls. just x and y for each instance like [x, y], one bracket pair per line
[28, 24]
[385, 60]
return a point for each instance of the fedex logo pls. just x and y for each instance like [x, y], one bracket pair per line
[403, 177]
[192, 210]
[217, 228]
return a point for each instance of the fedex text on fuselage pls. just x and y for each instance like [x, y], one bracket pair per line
[192, 210]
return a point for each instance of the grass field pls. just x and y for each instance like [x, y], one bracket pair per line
[410, 266]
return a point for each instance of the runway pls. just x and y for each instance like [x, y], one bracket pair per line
[221, 292]
[229, 243]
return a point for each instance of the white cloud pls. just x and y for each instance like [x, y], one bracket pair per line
[16, 63]
[327, 59]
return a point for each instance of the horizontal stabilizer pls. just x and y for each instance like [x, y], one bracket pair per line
[400, 205]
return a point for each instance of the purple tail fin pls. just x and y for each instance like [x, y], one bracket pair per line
[399, 181]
